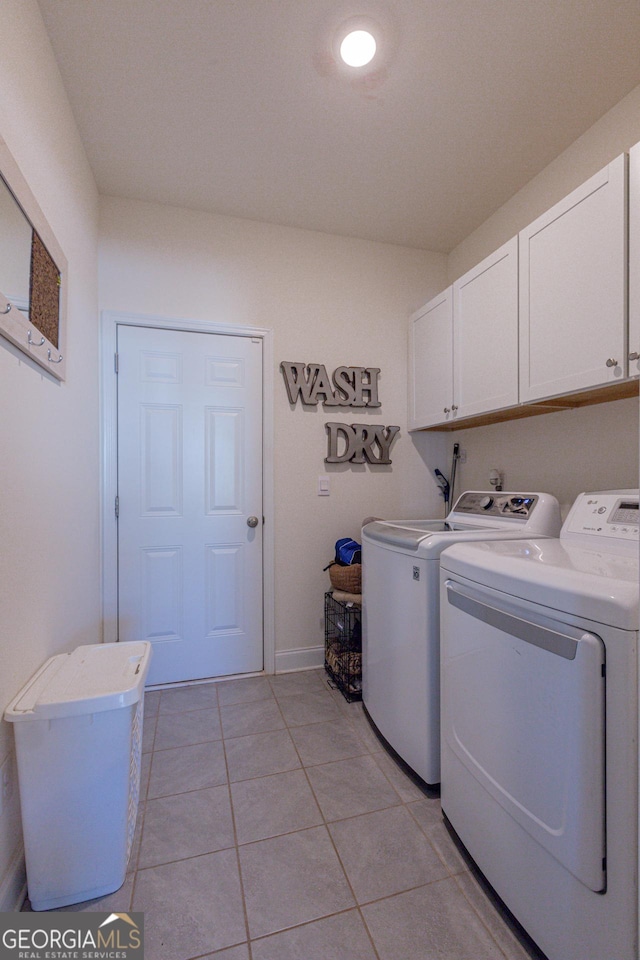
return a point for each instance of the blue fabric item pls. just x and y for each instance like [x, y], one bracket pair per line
[348, 551]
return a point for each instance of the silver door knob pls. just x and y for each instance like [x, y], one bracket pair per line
[612, 363]
[634, 356]
[454, 407]
[252, 522]
[446, 410]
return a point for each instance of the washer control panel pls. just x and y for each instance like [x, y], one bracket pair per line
[485, 504]
[611, 514]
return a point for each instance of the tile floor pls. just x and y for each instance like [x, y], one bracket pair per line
[273, 825]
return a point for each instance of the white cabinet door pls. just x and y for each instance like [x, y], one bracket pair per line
[431, 363]
[485, 325]
[573, 290]
[634, 261]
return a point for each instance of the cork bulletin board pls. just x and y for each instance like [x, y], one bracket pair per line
[44, 291]
[33, 269]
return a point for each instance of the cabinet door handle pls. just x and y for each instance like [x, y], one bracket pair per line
[446, 410]
[634, 356]
[612, 363]
[454, 408]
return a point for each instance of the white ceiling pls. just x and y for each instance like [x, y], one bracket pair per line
[237, 106]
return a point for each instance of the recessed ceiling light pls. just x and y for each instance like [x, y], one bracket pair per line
[358, 48]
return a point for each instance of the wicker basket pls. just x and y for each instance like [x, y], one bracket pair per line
[348, 579]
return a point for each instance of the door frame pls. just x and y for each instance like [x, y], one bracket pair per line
[109, 322]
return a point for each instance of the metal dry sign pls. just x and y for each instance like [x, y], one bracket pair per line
[347, 387]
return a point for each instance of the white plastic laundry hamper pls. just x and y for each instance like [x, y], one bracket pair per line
[78, 731]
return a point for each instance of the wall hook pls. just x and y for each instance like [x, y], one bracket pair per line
[50, 358]
[8, 307]
[32, 343]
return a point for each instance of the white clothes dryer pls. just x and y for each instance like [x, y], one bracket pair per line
[401, 624]
[540, 724]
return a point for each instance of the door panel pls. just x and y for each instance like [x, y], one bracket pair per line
[573, 289]
[431, 363]
[524, 704]
[189, 476]
[485, 323]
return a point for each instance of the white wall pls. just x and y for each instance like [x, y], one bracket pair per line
[562, 453]
[612, 135]
[329, 300]
[49, 509]
[590, 448]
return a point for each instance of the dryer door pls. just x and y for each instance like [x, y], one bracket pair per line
[525, 714]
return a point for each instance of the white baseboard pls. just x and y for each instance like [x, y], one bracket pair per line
[13, 888]
[306, 658]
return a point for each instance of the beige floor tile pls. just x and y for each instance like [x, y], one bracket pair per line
[502, 931]
[292, 879]
[191, 906]
[434, 922]
[406, 787]
[419, 900]
[325, 742]
[273, 805]
[363, 728]
[244, 690]
[243, 719]
[341, 937]
[187, 768]
[183, 729]
[296, 684]
[385, 853]
[186, 825]
[447, 849]
[309, 708]
[427, 812]
[347, 788]
[260, 754]
[200, 696]
[241, 952]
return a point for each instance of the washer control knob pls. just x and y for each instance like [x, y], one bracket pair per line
[486, 502]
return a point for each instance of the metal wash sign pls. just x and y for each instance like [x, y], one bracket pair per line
[347, 387]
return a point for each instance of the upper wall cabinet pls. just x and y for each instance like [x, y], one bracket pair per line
[464, 345]
[431, 362]
[573, 290]
[485, 334]
[634, 261]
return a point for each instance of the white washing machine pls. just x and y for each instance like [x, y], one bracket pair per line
[401, 628]
[540, 724]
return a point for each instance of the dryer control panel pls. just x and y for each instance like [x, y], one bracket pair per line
[611, 514]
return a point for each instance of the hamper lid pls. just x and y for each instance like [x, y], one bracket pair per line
[91, 679]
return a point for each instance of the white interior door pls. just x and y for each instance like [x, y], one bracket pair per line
[189, 490]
